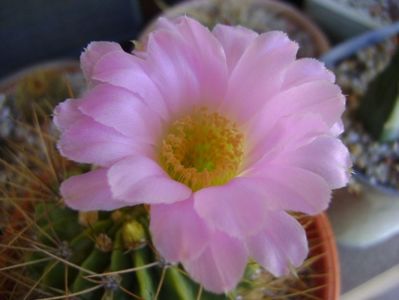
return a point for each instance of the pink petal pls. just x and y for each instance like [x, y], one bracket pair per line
[280, 245]
[177, 231]
[325, 156]
[290, 188]
[319, 97]
[139, 180]
[234, 41]
[306, 70]
[87, 141]
[67, 113]
[288, 134]
[258, 74]
[128, 71]
[93, 53]
[237, 208]
[338, 128]
[188, 64]
[120, 109]
[221, 265]
[89, 191]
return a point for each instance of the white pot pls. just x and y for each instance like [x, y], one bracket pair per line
[365, 219]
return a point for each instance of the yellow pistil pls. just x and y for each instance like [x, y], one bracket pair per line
[202, 149]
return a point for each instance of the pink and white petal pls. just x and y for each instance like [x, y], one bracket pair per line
[87, 141]
[319, 97]
[209, 59]
[171, 72]
[326, 156]
[258, 74]
[236, 208]
[128, 71]
[234, 41]
[188, 64]
[123, 111]
[291, 188]
[139, 179]
[177, 231]
[280, 245]
[93, 53]
[305, 70]
[89, 191]
[338, 128]
[221, 265]
[288, 134]
[67, 113]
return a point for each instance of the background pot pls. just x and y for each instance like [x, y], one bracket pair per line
[313, 42]
[356, 17]
[371, 216]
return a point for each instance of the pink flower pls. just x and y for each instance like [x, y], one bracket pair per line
[221, 132]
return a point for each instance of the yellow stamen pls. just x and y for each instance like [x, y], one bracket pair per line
[202, 149]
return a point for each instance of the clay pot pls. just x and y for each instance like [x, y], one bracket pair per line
[312, 41]
[324, 252]
[322, 242]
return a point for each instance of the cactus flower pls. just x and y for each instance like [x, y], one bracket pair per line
[222, 133]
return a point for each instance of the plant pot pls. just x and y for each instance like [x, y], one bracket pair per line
[259, 15]
[371, 215]
[334, 15]
[41, 85]
[321, 230]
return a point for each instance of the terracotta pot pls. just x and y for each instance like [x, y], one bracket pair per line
[201, 10]
[329, 263]
[322, 242]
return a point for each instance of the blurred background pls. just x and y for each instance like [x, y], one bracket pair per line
[37, 30]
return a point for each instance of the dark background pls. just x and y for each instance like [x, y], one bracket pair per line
[33, 31]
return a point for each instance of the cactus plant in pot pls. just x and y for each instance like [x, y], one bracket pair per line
[258, 15]
[176, 191]
[366, 68]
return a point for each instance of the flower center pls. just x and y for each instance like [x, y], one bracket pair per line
[202, 149]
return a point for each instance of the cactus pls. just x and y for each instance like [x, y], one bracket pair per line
[42, 88]
[48, 251]
[379, 107]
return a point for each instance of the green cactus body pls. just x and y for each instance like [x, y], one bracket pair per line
[100, 252]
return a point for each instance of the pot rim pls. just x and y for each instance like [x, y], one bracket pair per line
[8, 82]
[345, 50]
[351, 46]
[330, 260]
[322, 45]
